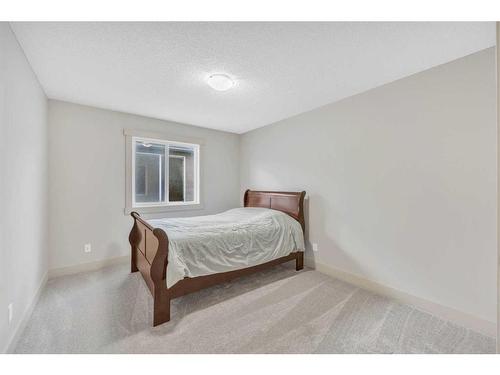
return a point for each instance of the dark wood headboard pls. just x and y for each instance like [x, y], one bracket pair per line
[291, 203]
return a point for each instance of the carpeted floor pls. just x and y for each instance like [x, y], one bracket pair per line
[276, 311]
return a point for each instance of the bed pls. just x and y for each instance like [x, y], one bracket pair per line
[183, 255]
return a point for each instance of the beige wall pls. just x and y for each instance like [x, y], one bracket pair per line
[401, 182]
[87, 178]
[23, 185]
[498, 184]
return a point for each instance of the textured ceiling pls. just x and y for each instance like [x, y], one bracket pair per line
[281, 69]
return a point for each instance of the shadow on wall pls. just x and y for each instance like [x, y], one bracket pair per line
[330, 252]
[114, 249]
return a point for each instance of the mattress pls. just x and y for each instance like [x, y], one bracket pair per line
[234, 239]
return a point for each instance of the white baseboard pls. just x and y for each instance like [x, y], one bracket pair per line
[90, 266]
[444, 312]
[26, 316]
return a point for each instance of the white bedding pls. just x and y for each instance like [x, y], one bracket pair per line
[235, 239]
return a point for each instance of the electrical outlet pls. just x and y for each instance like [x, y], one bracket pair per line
[11, 311]
[87, 248]
[315, 247]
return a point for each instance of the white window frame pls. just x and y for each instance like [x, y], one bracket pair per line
[131, 136]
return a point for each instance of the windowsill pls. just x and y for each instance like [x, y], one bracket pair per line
[163, 209]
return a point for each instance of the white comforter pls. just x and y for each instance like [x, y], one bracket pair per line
[235, 239]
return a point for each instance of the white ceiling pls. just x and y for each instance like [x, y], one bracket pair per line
[281, 69]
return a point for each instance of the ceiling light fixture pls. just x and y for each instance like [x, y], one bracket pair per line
[220, 82]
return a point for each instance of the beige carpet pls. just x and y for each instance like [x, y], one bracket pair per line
[277, 311]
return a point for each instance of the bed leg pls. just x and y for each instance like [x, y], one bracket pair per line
[133, 259]
[299, 261]
[133, 267]
[161, 308]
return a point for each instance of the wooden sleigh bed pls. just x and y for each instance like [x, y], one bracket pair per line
[149, 248]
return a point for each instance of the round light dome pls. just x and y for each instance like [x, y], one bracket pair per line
[220, 82]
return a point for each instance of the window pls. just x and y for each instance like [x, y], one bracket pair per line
[163, 174]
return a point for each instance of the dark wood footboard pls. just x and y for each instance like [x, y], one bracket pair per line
[149, 247]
